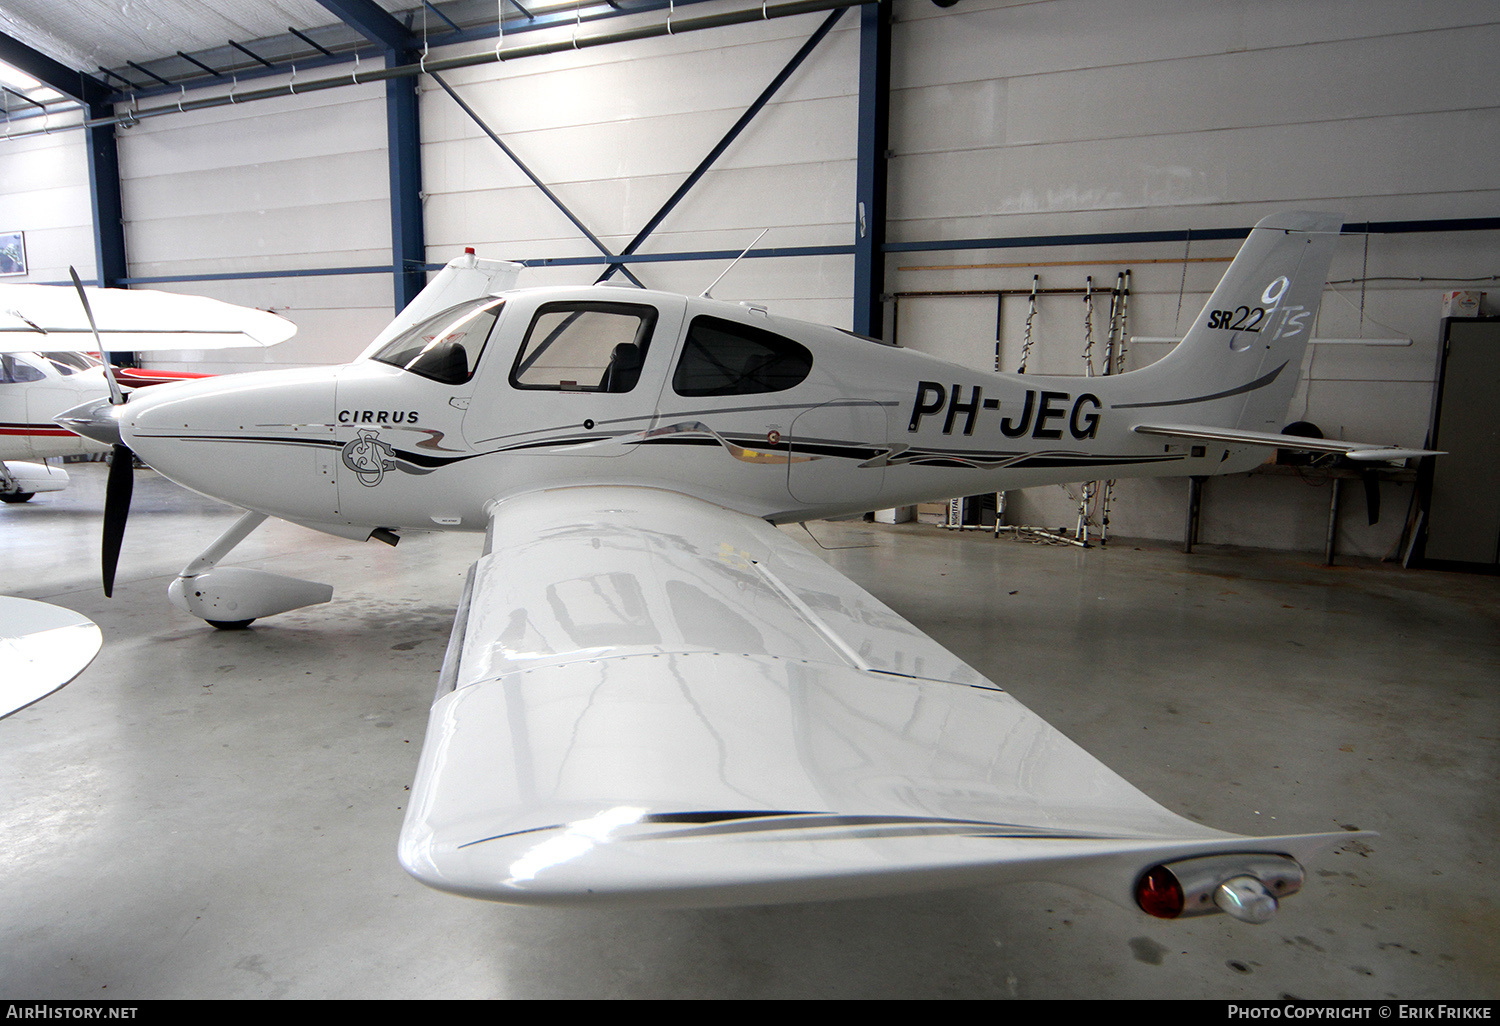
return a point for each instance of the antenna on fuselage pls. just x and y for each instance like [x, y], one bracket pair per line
[736, 260]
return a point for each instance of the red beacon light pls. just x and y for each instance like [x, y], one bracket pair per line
[1247, 886]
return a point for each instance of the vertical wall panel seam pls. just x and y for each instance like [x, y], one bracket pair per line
[871, 167]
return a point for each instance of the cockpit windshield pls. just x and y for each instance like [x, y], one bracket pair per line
[447, 346]
[70, 363]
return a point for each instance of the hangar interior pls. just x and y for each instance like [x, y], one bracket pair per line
[979, 181]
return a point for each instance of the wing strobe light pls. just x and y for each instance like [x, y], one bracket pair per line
[1247, 886]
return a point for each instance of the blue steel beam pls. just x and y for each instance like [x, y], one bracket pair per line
[451, 23]
[371, 21]
[403, 143]
[108, 212]
[729, 137]
[104, 196]
[408, 238]
[870, 167]
[599, 258]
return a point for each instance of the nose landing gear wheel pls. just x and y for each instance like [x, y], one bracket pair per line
[230, 625]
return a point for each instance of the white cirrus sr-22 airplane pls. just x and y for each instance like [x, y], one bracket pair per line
[651, 695]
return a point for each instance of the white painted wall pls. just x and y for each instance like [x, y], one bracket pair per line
[284, 184]
[615, 130]
[44, 192]
[1060, 117]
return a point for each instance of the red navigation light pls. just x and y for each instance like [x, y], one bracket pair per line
[1159, 894]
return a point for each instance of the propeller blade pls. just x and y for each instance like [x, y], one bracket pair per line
[116, 397]
[117, 489]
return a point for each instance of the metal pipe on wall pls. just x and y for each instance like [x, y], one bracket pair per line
[651, 31]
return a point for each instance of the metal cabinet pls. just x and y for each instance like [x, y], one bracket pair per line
[1461, 489]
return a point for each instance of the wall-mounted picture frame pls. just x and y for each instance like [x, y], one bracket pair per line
[12, 254]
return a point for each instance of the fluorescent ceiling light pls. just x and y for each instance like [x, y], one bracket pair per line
[17, 79]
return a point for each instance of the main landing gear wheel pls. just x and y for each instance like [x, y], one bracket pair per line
[231, 598]
[16, 497]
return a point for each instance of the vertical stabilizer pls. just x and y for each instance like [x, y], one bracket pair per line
[462, 279]
[1239, 362]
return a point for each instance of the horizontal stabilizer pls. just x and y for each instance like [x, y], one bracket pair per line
[49, 318]
[1363, 451]
[461, 279]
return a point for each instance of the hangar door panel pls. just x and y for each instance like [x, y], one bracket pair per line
[1463, 518]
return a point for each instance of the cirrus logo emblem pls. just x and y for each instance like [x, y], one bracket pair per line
[369, 457]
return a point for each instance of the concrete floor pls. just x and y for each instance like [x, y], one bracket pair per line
[211, 814]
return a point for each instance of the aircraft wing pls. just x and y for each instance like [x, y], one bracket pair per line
[649, 699]
[42, 647]
[1363, 451]
[44, 318]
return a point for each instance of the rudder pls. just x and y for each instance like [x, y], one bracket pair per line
[1239, 363]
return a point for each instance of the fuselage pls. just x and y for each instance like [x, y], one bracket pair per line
[553, 387]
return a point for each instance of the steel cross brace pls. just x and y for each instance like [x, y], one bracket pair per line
[558, 203]
[729, 137]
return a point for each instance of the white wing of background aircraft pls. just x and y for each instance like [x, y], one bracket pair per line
[49, 317]
[44, 367]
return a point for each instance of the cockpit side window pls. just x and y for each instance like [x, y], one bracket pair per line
[70, 363]
[447, 346]
[585, 347]
[727, 358]
[14, 370]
